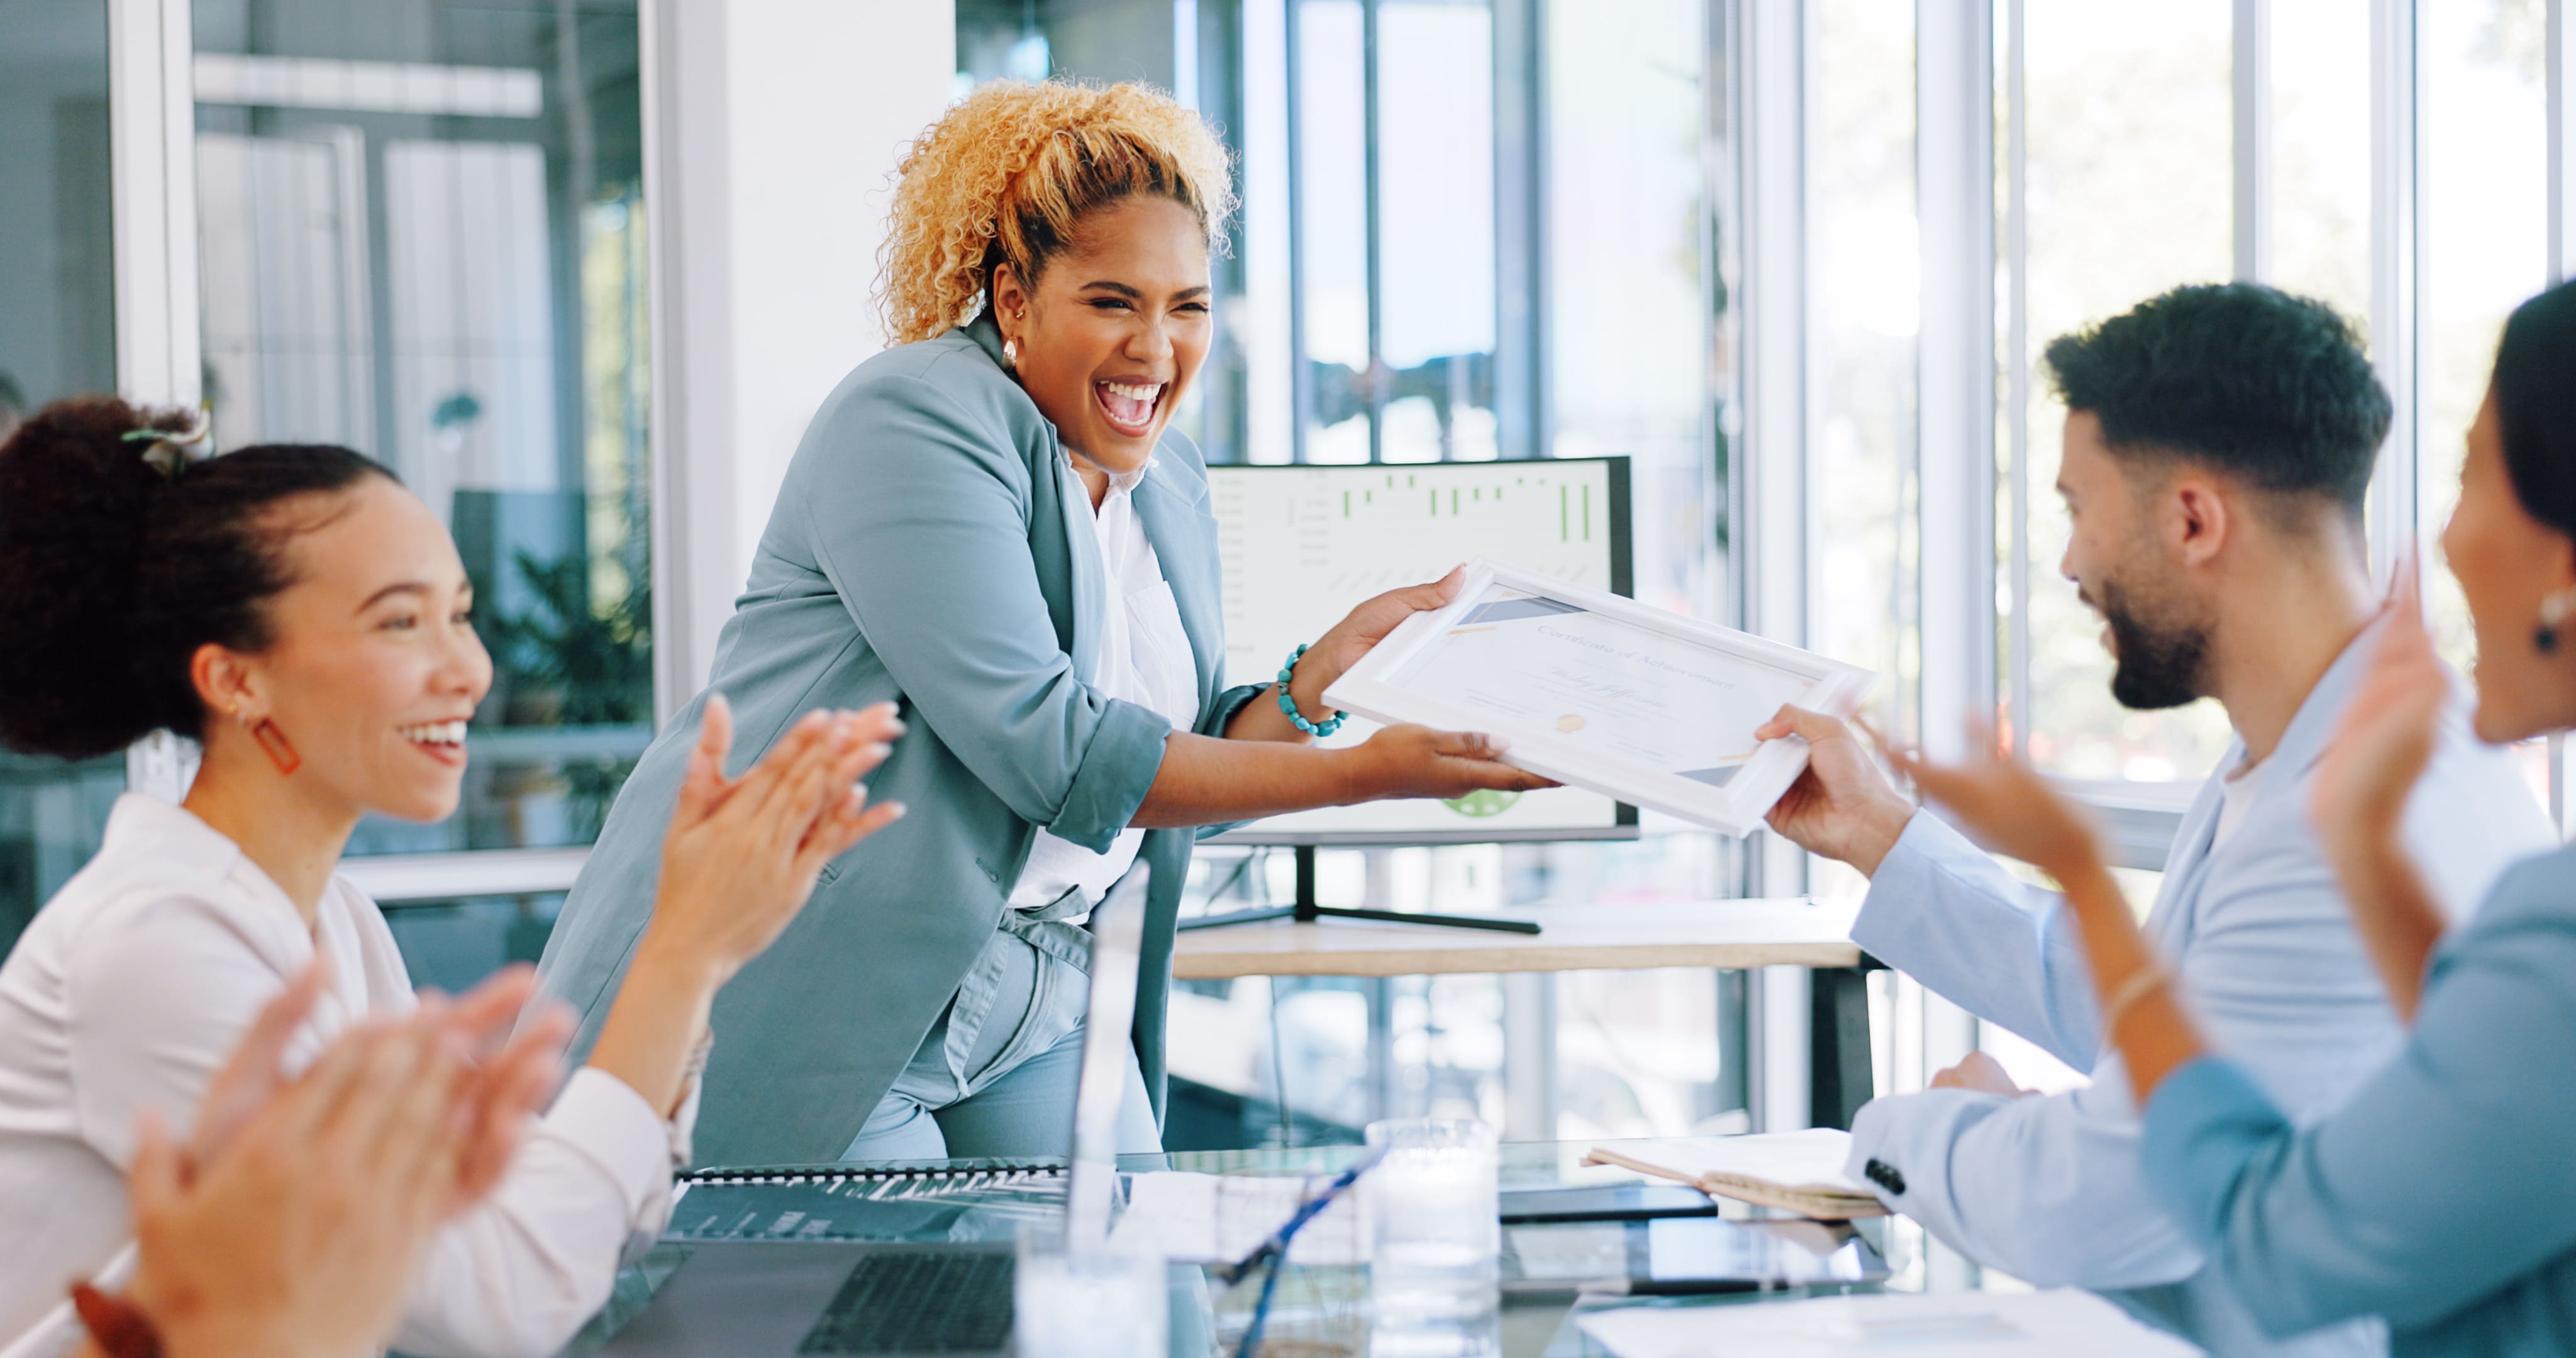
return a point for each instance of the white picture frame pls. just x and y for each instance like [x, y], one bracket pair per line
[1391, 684]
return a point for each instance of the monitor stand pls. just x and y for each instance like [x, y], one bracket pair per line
[1306, 911]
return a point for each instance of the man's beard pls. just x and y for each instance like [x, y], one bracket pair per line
[2160, 659]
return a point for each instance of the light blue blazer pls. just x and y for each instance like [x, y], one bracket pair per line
[923, 549]
[2442, 1197]
[2049, 1189]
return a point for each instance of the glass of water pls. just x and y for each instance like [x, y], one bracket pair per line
[1087, 1303]
[1435, 1234]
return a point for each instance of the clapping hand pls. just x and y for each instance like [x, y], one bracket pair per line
[2006, 806]
[743, 853]
[739, 860]
[509, 1073]
[299, 1230]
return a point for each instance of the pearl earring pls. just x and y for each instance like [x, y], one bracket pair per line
[1010, 353]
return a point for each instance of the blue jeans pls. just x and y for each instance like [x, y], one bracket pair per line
[995, 1076]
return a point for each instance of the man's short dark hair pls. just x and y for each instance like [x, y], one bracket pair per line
[2251, 380]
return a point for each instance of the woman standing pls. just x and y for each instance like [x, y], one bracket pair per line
[306, 619]
[2439, 1197]
[992, 523]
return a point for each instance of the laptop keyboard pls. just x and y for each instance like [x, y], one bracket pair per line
[919, 1301]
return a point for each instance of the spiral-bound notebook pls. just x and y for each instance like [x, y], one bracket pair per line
[829, 1203]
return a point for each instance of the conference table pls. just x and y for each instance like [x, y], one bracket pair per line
[1722, 934]
[1319, 1310]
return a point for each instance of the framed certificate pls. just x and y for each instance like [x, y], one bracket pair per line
[1604, 693]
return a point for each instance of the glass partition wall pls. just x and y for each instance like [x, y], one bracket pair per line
[421, 233]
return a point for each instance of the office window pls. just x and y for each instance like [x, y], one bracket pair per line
[2320, 152]
[1867, 483]
[2126, 192]
[1637, 302]
[2486, 243]
[422, 235]
[57, 293]
[1436, 266]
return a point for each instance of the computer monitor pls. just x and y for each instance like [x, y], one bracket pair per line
[1302, 545]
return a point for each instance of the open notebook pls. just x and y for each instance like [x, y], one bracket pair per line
[1798, 1172]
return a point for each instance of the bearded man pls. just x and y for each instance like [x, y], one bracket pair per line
[2218, 450]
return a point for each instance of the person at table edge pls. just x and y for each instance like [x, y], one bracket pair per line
[2219, 445]
[994, 523]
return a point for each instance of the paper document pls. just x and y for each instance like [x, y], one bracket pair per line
[1794, 1171]
[1602, 692]
[1649, 698]
[1219, 1218]
[1944, 1325]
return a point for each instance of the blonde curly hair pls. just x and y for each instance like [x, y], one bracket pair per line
[1005, 177]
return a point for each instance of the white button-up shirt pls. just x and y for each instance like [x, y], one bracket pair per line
[1144, 659]
[130, 990]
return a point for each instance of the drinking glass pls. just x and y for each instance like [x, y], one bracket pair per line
[1435, 1234]
[1087, 1303]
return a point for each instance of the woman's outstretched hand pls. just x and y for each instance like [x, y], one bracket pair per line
[742, 854]
[2379, 752]
[2005, 805]
[1417, 761]
[738, 862]
[514, 1067]
[302, 1232]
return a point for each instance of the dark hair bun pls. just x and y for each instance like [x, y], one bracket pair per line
[114, 570]
[75, 500]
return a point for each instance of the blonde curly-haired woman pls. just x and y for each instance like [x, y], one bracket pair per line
[992, 523]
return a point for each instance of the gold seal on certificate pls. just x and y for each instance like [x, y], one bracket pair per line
[1604, 693]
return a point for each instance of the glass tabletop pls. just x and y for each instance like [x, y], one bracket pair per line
[1318, 1310]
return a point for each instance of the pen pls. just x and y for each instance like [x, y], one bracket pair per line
[1275, 1249]
[1667, 1287]
[1277, 1243]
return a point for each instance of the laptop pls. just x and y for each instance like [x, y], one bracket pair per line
[758, 1298]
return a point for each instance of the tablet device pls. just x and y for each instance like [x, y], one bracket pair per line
[1685, 1254]
[1605, 1202]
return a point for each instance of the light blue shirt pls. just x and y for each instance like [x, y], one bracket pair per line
[2441, 1195]
[2049, 1189]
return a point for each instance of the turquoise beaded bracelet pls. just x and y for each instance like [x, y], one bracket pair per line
[1289, 705]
